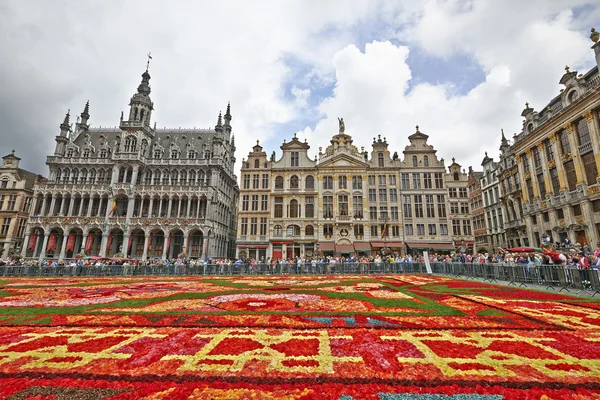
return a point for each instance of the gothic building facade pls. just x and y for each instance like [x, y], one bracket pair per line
[136, 191]
[348, 201]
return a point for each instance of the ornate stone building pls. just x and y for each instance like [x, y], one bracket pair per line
[16, 194]
[136, 190]
[477, 211]
[348, 201]
[558, 157]
[461, 218]
[490, 188]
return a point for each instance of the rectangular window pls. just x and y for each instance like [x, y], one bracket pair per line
[453, 193]
[295, 158]
[383, 212]
[565, 145]
[394, 212]
[244, 230]
[327, 183]
[541, 185]
[595, 206]
[245, 201]
[441, 206]
[21, 228]
[357, 206]
[577, 210]
[343, 204]
[328, 231]
[456, 227]
[589, 166]
[246, 184]
[371, 180]
[418, 206]
[356, 183]
[408, 229]
[529, 185]
[255, 181]
[265, 181]
[416, 180]
[395, 230]
[342, 182]
[420, 229]
[555, 181]
[444, 229]
[431, 229]
[464, 208]
[466, 227]
[359, 231]
[583, 133]
[374, 231]
[373, 213]
[278, 211]
[405, 181]
[525, 160]
[427, 181]
[430, 206]
[264, 202]
[253, 225]
[393, 195]
[254, 202]
[327, 206]
[27, 204]
[462, 192]
[453, 208]
[546, 216]
[571, 174]
[12, 200]
[381, 180]
[392, 180]
[309, 208]
[263, 226]
[439, 180]
[382, 194]
[537, 160]
[406, 206]
[372, 195]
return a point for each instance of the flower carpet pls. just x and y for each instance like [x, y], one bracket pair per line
[388, 337]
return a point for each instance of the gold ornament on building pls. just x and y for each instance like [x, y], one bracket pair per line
[588, 116]
[593, 189]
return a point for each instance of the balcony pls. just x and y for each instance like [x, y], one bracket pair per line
[585, 148]
[344, 218]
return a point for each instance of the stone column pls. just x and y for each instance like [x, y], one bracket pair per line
[103, 244]
[126, 245]
[63, 247]
[205, 247]
[185, 242]
[189, 207]
[130, 207]
[52, 204]
[179, 208]
[44, 245]
[89, 207]
[164, 253]
[83, 241]
[44, 204]
[71, 205]
[160, 204]
[26, 244]
[170, 204]
[145, 253]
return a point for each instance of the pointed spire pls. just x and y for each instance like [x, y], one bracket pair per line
[85, 115]
[67, 122]
[219, 126]
[144, 87]
[228, 112]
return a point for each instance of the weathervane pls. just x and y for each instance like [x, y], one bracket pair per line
[148, 63]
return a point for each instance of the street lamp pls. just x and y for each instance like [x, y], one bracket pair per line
[385, 250]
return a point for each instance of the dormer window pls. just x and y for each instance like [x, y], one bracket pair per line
[572, 96]
[256, 164]
[103, 153]
[415, 162]
[174, 154]
[157, 153]
[191, 154]
[295, 159]
[530, 127]
[380, 160]
[86, 153]
[425, 161]
[70, 153]
[456, 176]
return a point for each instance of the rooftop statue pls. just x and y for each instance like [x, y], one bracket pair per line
[342, 125]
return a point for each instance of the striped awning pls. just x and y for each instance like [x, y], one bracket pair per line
[327, 246]
[344, 248]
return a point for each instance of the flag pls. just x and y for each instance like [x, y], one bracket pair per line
[113, 208]
[383, 231]
[149, 242]
[108, 243]
[89, 243]
[70, 243]
[129, 244]
[32, 241]
[51, 246]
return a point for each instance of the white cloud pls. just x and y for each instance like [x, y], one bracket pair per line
[301, 96]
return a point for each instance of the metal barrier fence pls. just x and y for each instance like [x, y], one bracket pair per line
[552, 277]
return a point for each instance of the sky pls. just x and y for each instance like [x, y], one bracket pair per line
[461, 70]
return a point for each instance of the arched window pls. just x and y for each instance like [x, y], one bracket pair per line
[93, 176]
[130, 144]
[256, 164]
[294, 182]
[84, 174]
[183, 177]
[148, 178]
[456, 176]
[192, 178]
[309, 230]
[66, 176]
[156, 177]
[310, 182]
[201, 178]
[277, 230]
[425, 161]
[279, 182]
[292, 230]
[380, 160]
[58, 175]
[293, 212]
[101, 176]
[75, 176]
[573, 95]
[174, 177]
[165, 178]
[415, 161]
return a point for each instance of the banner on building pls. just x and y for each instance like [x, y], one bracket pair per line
[108, 244]
[51, 246]
[89, 243]
[129, 244]
[70, 243]
[32, 241]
